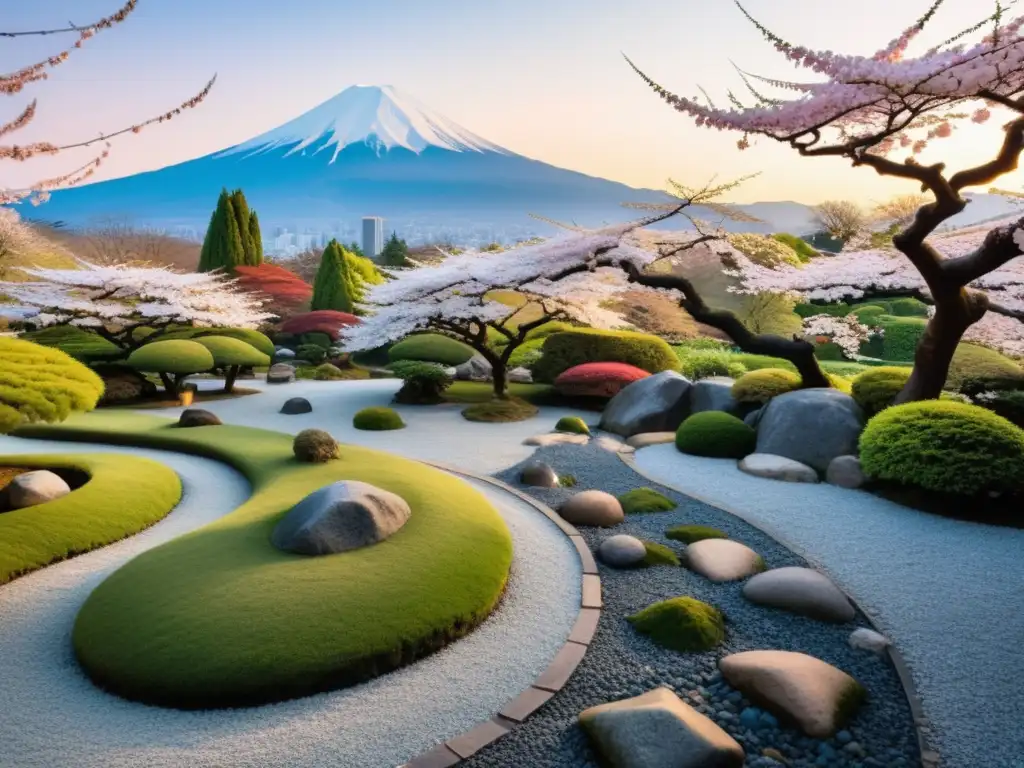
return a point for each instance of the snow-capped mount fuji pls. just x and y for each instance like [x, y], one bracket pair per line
[380, 116]
[373, 150]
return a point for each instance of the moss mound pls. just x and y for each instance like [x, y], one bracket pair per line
[688, 534]
[715, 435]
[658, 554]
[500, 411]
[172, 356]
[875, 389]
[681, 624]
[945, 447]
[642, 500]
[758, 387]
[377, 419]
[704, 363]
[972, 362]
[431, 348]
[314, 446]
[228, 351]
[573, 424]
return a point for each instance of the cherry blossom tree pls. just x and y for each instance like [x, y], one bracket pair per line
[840, 218]
[15, 82]
[116, 302]
[20, 241]
[868, 107]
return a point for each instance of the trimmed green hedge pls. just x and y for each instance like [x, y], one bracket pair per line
[944, 447]
[566, 349]
[229, 351]
[256, 339]
[757, 362]
[875, 389]
[761, 386]
[172, 356]
[703, 364]
[431, 348]
[971, 361]
[716, 435]
[85, 346]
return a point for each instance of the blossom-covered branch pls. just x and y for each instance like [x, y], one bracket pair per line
[848, 333]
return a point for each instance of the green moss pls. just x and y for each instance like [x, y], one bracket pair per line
[377, 419]
[681, 624]
[944, 447]
[564, 350]
[703, 364]
[843, 368]
[658, 554]
[329, 372]
[688, 534]
[757, 362]
[758, 387]
[715, 435]
[219, 617]
[500, 411]
[804, 250]
[973, 362]
[567, 481]
[431, 348]
[642, 500]
[876, 388]
[851, 699]
[123, 495]
[573, 424]
[179, 356]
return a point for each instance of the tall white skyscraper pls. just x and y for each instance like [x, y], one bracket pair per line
[373, 235]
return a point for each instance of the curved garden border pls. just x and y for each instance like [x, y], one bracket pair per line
[929, 757]
[551, 680]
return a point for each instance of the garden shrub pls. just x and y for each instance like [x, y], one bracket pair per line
[702, 343]
[758, 387]
[703, 364]
[907, 307]
[804, 250]
[840, 309]
[178, 356]
[314, 446]
[975, 385]
[500, 411]
[566, 349]
[597, 379]
[843, 368]
[736, 370]
[901, 337]
[317, 338]
[876, 388]
[573, 424]
[85, 346]
[229, 352]
[311, 353]
[688, 534]
[944, 447]
[971, 361]
[764, 250]
[322, 372]
[431, 348]
[756, 362]
[869, 314]
[423, 383]
[122, 384]
[717, 435]
[829, 350]
[377, 419]
[1009, 405]
[526, 355]
[40, 383]
[681, 624]
[253, 338]
[840, 383]
[642, 500]
[326, 321]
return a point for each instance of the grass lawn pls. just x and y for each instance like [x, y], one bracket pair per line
[220, 618]
[161, 400]
[123, 495]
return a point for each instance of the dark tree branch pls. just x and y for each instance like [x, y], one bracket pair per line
[1004, 162]
[996, 249]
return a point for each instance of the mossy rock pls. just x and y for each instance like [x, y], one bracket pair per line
[377, 419]
[659, 554]
[688, 534]
[573, 424]
[681, 624]
[641, 500]
[716, 435]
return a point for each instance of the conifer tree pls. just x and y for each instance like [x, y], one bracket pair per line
[241, 208]
[222, 246]
[395, 252]
[331, 287]
[257, 238]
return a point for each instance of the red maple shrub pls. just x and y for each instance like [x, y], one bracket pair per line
[598, 379]
[321, 321]
[283, 290]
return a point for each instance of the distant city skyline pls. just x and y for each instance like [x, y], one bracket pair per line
[523, 76]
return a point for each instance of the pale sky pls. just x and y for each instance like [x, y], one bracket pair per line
[543, 78]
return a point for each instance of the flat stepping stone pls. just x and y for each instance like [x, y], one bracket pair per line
[658, 730]
[592, 508]
[556, 438]
[647, 439]
[777, 468]
[800, 590]
[622, 551]
[723, 559]
[805, 690]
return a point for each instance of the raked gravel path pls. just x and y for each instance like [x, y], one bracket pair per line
[51, 715]
[949, 593]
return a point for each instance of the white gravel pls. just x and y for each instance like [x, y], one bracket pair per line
[435, 432]
[950, 594]
[51, 715]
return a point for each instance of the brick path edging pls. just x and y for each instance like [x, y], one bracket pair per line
[929, 757]
[551, 680]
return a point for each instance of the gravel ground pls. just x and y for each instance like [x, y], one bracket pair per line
[622, 663]
[949, 593]
[435, 432]
[51, 715]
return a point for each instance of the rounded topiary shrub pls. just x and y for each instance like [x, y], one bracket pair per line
[423, 383]
[573, 424]
[377, 419]
[759, 387]
[597, 379]
[716, 435]
[312, 353]
[875, 389]
[681, 624]
[944, 447]
[567, 349]
[841, 383]
[431, 348]
[972, 362]
[314, 446]
[180, 356]
[705, 363]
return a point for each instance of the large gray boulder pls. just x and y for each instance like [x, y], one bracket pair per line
[340, 517]
[713, 394]
[657, 403]
[475, 369]
[811, 426]
[38, 487]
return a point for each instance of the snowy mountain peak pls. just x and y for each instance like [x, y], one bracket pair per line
[380, 116]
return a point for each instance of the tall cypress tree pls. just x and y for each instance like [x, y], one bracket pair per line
[257, 238]
[395, 252]
[222, 246]
[331, 285]
[241, 208]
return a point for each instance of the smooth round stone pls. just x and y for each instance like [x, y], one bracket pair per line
[197, 417]
[557, 438]
[869, 640]
[593, 508]
[296, 405]
[647, 439]
[539, 475]
[777, 468]
[622, 551]
[800, 590]
[723, 559]
[846, 472]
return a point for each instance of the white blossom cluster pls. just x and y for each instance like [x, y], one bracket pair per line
[848, 333]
